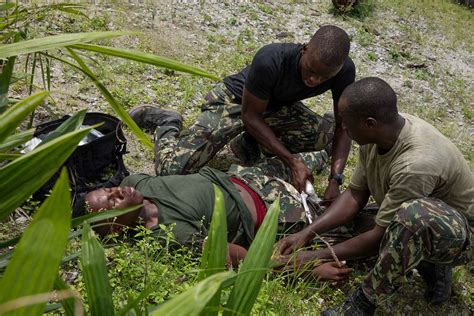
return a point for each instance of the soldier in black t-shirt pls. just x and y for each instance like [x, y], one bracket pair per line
[260, 107]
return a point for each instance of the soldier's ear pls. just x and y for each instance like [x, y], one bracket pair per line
[370, 122]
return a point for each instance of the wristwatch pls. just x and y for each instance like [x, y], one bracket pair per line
[339, 177]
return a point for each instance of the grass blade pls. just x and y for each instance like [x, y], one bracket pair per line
[255, 266]
[22, 177]
[147, 59]
[52, 42]
[100, 216]
[16, 140]
[122, 114]
[13, 116]
[194, 300]
[99, 292]
[35, 262]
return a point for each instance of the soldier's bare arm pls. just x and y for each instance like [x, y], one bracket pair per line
[252, 116]
[341, 147]
[363, 245]
[344, 208]
[235, 254]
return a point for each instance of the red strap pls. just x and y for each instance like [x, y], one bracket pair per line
[260, 206]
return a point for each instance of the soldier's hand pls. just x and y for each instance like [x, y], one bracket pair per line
[299, 174]
[293, 242]
[331, 271]
[299, 262]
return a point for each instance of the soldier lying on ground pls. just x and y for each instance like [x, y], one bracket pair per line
[425, 193]
[185, 203]
[261, 106]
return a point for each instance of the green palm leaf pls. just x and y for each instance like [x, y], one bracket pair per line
[35, 262]
[99, 292]
[16, 140]
[22, 177]
[71, 124]
[13, 117]
[215, 249]
[118, 108]
[52, 42]
[194, 300]
[255, 266]
[147, 59]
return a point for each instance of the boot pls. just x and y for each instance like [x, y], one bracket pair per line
[150, 117]
[438, 278]
[355, 304]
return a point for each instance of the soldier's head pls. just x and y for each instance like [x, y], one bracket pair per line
[323, 57]
[117, 198]
[366, 107]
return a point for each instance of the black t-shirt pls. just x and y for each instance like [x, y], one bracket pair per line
[274, 76]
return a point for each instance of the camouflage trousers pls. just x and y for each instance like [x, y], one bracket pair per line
[296, 126]
[270, 178]
[423, 229]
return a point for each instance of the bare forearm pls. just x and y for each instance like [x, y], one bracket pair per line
[257, 127]
[341, 211]
[340, 150]
[235, 254]
[363, 245]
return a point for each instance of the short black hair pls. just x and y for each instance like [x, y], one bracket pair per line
[331, 45]
[371, 97]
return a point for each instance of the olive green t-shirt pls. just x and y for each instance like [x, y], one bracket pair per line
[422, 163]
[186, 203]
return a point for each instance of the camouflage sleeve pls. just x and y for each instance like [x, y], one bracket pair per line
[404, 188]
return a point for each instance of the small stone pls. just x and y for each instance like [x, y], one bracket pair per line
[284, 34]
[71, 276]
[21, 220]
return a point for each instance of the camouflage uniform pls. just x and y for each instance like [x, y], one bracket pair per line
[270, 177]
[296, 126]
[423, 229]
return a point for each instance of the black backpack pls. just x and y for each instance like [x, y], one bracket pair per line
[95, 164]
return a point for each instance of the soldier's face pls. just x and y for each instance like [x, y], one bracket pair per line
[117, 197]
[314, 72]
[120, 198]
